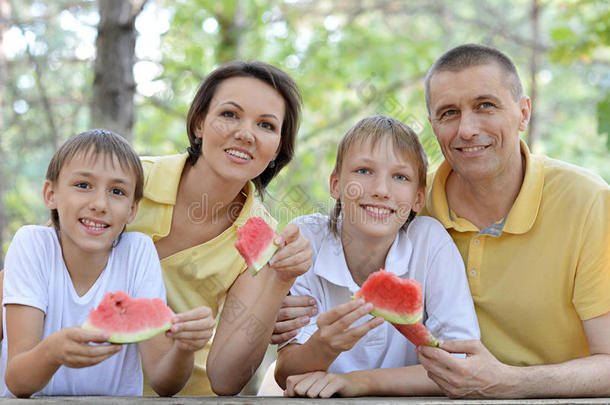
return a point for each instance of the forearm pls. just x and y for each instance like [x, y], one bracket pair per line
[402, 381]
[244, 330]
[30, 371]
[585, 377]
[169, 375]
[297, 359]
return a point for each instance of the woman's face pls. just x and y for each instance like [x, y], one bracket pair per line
[241, 132]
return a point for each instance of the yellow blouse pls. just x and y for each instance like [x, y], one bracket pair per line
[202, 274]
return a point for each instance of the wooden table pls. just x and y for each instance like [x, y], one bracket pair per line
[293, 401]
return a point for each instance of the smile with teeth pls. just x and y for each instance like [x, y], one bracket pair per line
[377, 210]
[472, 148]
[239, 154]
[92, 224]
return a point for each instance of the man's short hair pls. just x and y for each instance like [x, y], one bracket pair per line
[468, 55]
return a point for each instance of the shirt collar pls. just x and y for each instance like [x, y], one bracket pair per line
[523, 213]
[162, 181]
[330, 263]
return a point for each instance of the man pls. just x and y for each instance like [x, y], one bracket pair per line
[534, 234]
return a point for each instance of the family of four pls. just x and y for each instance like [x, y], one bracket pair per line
[512, 250]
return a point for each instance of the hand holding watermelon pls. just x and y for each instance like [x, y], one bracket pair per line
[334, 334]
[71, 347]
[288, 252]
[191, 330]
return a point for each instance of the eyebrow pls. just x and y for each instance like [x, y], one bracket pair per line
[370, 161]
[83, 173]
[240, 108]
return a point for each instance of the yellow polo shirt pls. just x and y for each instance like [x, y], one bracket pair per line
[535, 275]
[200, 275]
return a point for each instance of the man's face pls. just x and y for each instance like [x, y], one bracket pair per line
[477, 121]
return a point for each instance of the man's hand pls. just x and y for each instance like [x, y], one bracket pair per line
[479, 375]
[293, 314]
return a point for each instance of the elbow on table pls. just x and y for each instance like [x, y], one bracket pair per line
[225, 386]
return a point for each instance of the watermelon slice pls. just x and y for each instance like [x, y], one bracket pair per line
[255, 243]
[418, 334]
[396, 299]
[399, 301]
[129, 320]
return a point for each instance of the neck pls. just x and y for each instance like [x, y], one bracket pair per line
[210, 195]
[84, 268]
[488, 200]
[364, 255]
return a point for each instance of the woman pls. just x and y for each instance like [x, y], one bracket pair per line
[241, 126]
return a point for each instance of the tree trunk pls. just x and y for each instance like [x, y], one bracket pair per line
[5, 14]
[535, 21]
[112, 106]
[233, 27]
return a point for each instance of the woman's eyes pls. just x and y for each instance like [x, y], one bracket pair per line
[228, 114]
[267, 125]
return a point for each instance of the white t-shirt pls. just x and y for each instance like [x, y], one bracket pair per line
[36, 275]
[426, 253]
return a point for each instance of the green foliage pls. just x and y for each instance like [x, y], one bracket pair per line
[350, 58]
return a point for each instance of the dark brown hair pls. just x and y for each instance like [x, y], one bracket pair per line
[374, 129]
[468, 55]
[99, 142]
[266, 73]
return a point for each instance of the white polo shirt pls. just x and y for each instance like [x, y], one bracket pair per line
[426, 253]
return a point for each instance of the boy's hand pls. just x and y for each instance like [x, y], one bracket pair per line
[319, 384]
[293, 257]
[293, 314]
[191, 330]
[334, 330]
[70, 347]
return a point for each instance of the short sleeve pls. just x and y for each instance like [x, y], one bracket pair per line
[27, 266]
[448, 303]
[592, 283]
[144, 260]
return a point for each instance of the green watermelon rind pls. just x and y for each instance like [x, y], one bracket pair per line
[263, 259]
[392, 316]
[119, 337]
[396, 318]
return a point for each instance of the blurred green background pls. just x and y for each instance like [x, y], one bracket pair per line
[351, 58]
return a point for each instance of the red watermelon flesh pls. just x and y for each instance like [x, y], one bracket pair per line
[418, 334]
[396, 299]
[129, 320]
[255, 243]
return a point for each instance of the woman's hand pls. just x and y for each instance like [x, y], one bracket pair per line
[293, 257]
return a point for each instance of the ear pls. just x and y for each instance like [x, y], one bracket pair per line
[334, 186]
[133, 211]
[420, 200]
[525, 105]
[48, 194]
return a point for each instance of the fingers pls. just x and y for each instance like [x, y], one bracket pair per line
[297, 306]
[289, 234]
[345, 314]
[295, 251]
[315, 384]
[291, 325]
[462, 346]
[192, 329]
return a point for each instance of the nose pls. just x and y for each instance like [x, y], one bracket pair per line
[99, 201]
[244, 133]
[469, 125]
[381, 187]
